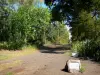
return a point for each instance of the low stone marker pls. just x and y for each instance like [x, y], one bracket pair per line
[73, 66]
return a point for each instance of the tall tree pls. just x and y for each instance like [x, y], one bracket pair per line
[3, 20]
[63, 8]
[72, 11]
[29, 25]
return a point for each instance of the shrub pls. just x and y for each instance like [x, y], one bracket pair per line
[82, 69]
[3, 45]
[15, 45]
[88, 48]
[78, 47]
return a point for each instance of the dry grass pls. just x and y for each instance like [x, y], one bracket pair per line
[68, 52]
[10, 65]
[6, 54]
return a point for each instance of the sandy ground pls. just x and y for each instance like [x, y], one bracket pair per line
[48, 61]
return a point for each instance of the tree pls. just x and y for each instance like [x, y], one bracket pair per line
[25, 2]
[84, 27]
[4, 13]
[72, 10]
[58, 33]
[63, 8]
[84, 18]
[28, 25]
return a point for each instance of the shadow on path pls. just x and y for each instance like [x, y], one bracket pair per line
[54, 49]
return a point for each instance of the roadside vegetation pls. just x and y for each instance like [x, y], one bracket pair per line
[8, 54]
[25, 26]
[86, 37]
[26, 22]
[10, 65]
[84, 18]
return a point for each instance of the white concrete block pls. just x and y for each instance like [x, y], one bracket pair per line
[74, 66]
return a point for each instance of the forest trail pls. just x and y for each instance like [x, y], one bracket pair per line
[47, 61]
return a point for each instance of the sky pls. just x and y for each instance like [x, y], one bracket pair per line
[42, 5]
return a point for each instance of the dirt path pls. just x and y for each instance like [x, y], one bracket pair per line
[47, 61]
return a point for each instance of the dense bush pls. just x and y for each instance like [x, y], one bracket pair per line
[84, 27]
[88, 48]
[28, 24]
[58, 33]
[78, 47]
[86, 30]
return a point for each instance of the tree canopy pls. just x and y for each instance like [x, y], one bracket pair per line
[65, 8]
[24, 22]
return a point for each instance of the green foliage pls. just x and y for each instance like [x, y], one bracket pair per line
[9, 73]
[10, 45]
[88, 48]
[29, 47]
[84, 22]
[58, 33]
[82, 69]
[3, 20]
[71, 8]
[79, 47]
[86, 30]
[84, 27]
[29, 24]
[25, 2]
[76, 46]
[3, 45]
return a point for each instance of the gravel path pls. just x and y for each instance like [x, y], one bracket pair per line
[48, 61]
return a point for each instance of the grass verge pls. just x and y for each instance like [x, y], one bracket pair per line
[9, 73]
[7, 54]
[4, 66]
[82, 69]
